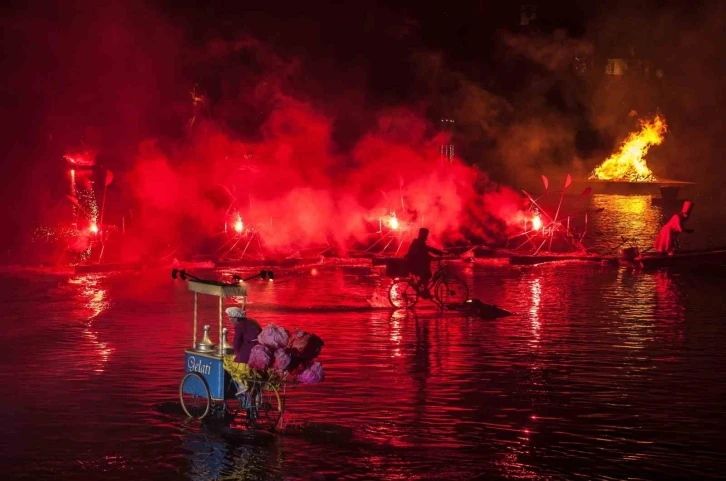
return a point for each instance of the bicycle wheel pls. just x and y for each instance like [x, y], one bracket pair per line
[402, 295]
[194, 395]
[451, 292]
[265, 407]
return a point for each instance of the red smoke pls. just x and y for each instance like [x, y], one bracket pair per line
[296, 191]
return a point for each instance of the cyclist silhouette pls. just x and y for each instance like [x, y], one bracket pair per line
[419, 260]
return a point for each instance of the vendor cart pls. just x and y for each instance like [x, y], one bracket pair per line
[206, 388]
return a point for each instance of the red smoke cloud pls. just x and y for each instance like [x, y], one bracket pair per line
[294, 189]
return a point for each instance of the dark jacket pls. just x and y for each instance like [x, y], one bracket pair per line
[418, 254]
[245, 337]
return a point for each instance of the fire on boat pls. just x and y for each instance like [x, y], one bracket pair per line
[626, 171]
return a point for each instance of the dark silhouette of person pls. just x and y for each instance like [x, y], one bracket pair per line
[419, 260]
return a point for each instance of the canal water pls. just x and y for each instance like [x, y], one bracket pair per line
[602, 373]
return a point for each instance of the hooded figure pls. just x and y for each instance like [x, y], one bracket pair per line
[667, 240]
[246, 331]
[419, 260]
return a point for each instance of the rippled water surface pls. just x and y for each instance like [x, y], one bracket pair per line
[603, 373]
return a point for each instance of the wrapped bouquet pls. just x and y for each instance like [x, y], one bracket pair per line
[282, 355]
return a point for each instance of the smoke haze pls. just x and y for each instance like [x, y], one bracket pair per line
[315, 132]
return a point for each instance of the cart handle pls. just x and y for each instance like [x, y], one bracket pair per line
[183, 274]
[264, 275]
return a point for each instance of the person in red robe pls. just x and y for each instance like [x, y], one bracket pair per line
[667, 240]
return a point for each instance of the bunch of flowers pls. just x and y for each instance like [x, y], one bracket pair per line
[281, 354]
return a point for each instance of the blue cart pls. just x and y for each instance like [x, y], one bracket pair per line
[206, 388]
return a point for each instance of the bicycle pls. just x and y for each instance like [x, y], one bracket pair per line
[449, 291]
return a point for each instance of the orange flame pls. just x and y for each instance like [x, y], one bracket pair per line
[536, 222]
[628, 164]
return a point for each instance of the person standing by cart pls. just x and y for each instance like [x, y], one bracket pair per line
[246, 331]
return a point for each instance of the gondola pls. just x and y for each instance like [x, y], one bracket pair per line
[528, 260]
[682, 259]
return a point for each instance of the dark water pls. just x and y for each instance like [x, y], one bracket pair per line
[604, 373]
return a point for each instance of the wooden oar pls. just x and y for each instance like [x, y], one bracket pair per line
[568, 181]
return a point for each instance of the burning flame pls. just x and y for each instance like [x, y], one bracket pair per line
[235, 224]
[94, 228]
[536, 222]
[391, 221]
[80, 159]
[628, 164]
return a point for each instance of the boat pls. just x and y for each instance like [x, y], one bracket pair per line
[491, 311]
[683, 259]
[668, 188]
[137, 266]
[483, 310]
[529, 260]
[271, 262]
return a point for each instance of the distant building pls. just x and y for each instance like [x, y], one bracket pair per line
[447, 150]
[527, 15]
[633, 66]
[616, 67]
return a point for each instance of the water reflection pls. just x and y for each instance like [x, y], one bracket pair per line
[214, 452]
[397, 318]
[91, 297]
[599, 365]
[669, 308]
[420, 366]
[536, 291]
[656, 308]
[668, 297]
[632, 216]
